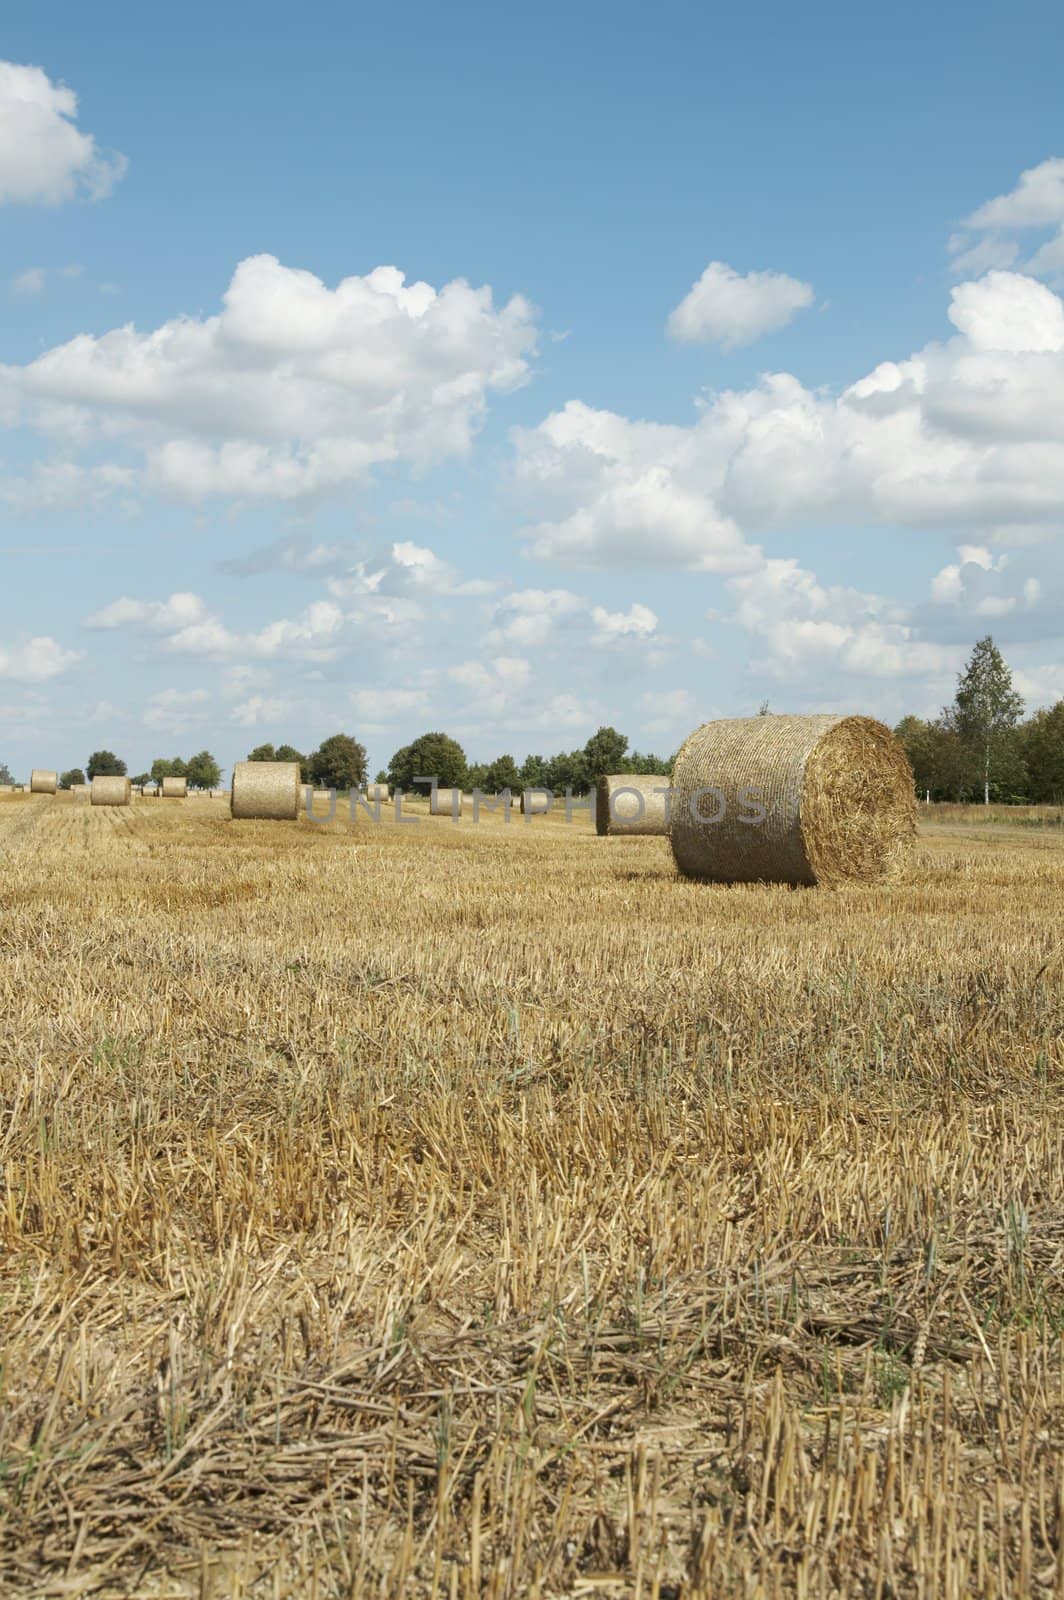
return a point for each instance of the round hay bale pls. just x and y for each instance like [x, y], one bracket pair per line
[378, 791]
[265, 790]
[798, 800]
[446, 802]
[629, 803]
[7, 788]
[535, 802]
[81, 791]
[111, 791]
[175, 789]
[42, 782]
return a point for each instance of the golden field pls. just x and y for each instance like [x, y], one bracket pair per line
[486, 1211]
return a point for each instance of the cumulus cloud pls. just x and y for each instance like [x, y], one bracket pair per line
[45, 158]
[963, 433]
[638, 622]
[527, 617]
[294, 388]
[56, 486]
[730, 308]
[989, 237]
[175, 711]
[36, 661]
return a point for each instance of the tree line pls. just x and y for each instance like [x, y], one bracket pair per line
[980, 747]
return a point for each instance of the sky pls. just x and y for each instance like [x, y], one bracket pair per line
[512, 374]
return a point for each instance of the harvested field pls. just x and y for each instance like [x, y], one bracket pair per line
[439, 1209]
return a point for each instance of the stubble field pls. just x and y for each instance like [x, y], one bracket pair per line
[485, 1211]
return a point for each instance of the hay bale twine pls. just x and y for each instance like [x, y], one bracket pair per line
[836, 795]
[175, 789]
[446, 803]
[628, 803]
[111, 791]
[265, 790]
[535, 802]
[42, 782]
[378, 791]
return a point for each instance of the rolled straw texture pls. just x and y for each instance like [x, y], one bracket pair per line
[111, 791]
[378, 791]
[265, 790]
[42, 782]
[81, 791]
[837, 794]
[535, 802]
[628, 804]
[175, 788]
[444, 804]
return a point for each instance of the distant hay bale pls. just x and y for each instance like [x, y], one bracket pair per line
[7, 788]
[267, 791]
[111, 791]
[175, 789]
[535, 802]
[798, 800]
[42, 782]
[446, 803]
[81, 791]
[322, 794]
[378, 791]
[629, 803]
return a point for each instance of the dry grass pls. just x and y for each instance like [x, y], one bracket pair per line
[438, 1209]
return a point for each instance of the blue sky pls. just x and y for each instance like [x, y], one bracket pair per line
[726, 364]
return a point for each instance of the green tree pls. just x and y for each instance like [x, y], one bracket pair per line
[534, 771]
[141, 779]
[104, 764]
[501, 774]
[477, 776]
[986, 710]
[1043, 749]
[288, 752]
[262, 752]
[382, 776]
[570, 770]
[433, 755]
[340, 763]
[647, 766]
[5, 773]
[604, 753]
[203, 771]
[69, 779]
[172, 767]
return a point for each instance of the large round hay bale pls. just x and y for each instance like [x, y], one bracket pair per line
[42, 782]
[175, 789]
[799, 800]
[445, 803]
[630, 803]
[535, 802]
[378, 791]
[266, 790]
[111, 791]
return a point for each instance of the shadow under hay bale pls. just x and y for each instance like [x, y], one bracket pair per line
[265, 791]
[43, 782]
[629, 804]
[111, 791]
[798, 800]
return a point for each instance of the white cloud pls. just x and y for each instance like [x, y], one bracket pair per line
[293, 389]
[1006, 311]
[378, 709]
[988, 237]
[175, 711]
[668, 711]
[527, 617]
[258, 710]
[44, 157]
[978, 584]
[36, 661]
[637, 622]
[29, 282]
[729, 308]
[962, 434]
[54, 486]
[161, 616]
